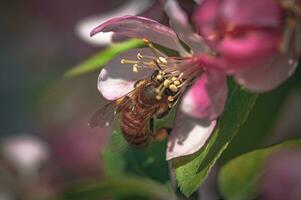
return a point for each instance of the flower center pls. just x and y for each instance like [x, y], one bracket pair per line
[173, 74]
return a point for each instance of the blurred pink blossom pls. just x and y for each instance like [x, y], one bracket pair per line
[247, 38]
[281, 177]
[77, 149]
[204, 100]
[26, 153]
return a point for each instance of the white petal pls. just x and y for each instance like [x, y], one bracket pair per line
[180, 24]
[269, 75]
[117, 79]
[188, 135]
[84, 27]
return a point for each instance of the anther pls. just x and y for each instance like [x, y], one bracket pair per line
[124, 61]
[159, 77]
[177, 82]
[173, 88]
[145, 40]
[139, 56]
[166, 83]
[158, 97]
[135, 68]
[161, 72]
[162, 60]
[174, 78]
[170, 98]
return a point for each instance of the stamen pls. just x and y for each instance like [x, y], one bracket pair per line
[170, 98]
[177, 82]
[125, 61]
[159, 77]
[166, 83]
[173, 88]
[139, 56]
[135, 68]
[162, 60]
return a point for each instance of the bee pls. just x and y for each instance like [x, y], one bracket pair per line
[151, 97]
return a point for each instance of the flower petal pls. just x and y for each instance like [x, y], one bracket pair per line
[143, 28]
[206, 17]
[116, 79]
[264, 13]
[179, 22]
[207, 97]
[188, 135]
[251, 49]
[84, 26]
[268, 76]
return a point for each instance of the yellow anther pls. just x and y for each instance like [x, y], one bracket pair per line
[135, 68]
[139, 56]
[177, 82]
[161, 72]
[170, 98]
[159, 77]
[166, 83]
[158, 97]
[124, 61]
[174, 78]
[145, 40]
[173, 88]
[162, 60]
[157, 90]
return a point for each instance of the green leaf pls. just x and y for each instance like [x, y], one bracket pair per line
[239, 177]
[191, 171]
[113, 163]
[97, 61]
[261, 119]
[123, 187]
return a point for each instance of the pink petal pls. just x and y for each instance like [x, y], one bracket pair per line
[117, 79]
[188, 135]
[85, 25]
[143, 28]
[179, 22]
[250, 49]
[268, 76]
[207, 97]
[206, 17]
[262, 13]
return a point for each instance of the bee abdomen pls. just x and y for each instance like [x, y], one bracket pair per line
[137, 139]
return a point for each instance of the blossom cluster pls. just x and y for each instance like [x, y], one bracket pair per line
[255, 41]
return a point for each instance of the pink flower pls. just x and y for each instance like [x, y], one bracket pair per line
[248, 37]
[202, 103]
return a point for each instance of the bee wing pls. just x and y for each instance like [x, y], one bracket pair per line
[117, 143]
[104, 116]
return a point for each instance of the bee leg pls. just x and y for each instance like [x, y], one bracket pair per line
[160, 115]
[161, 134]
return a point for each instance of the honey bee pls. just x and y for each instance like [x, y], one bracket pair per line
[151, 97]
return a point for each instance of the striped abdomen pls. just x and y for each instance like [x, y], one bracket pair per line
[134, 125]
